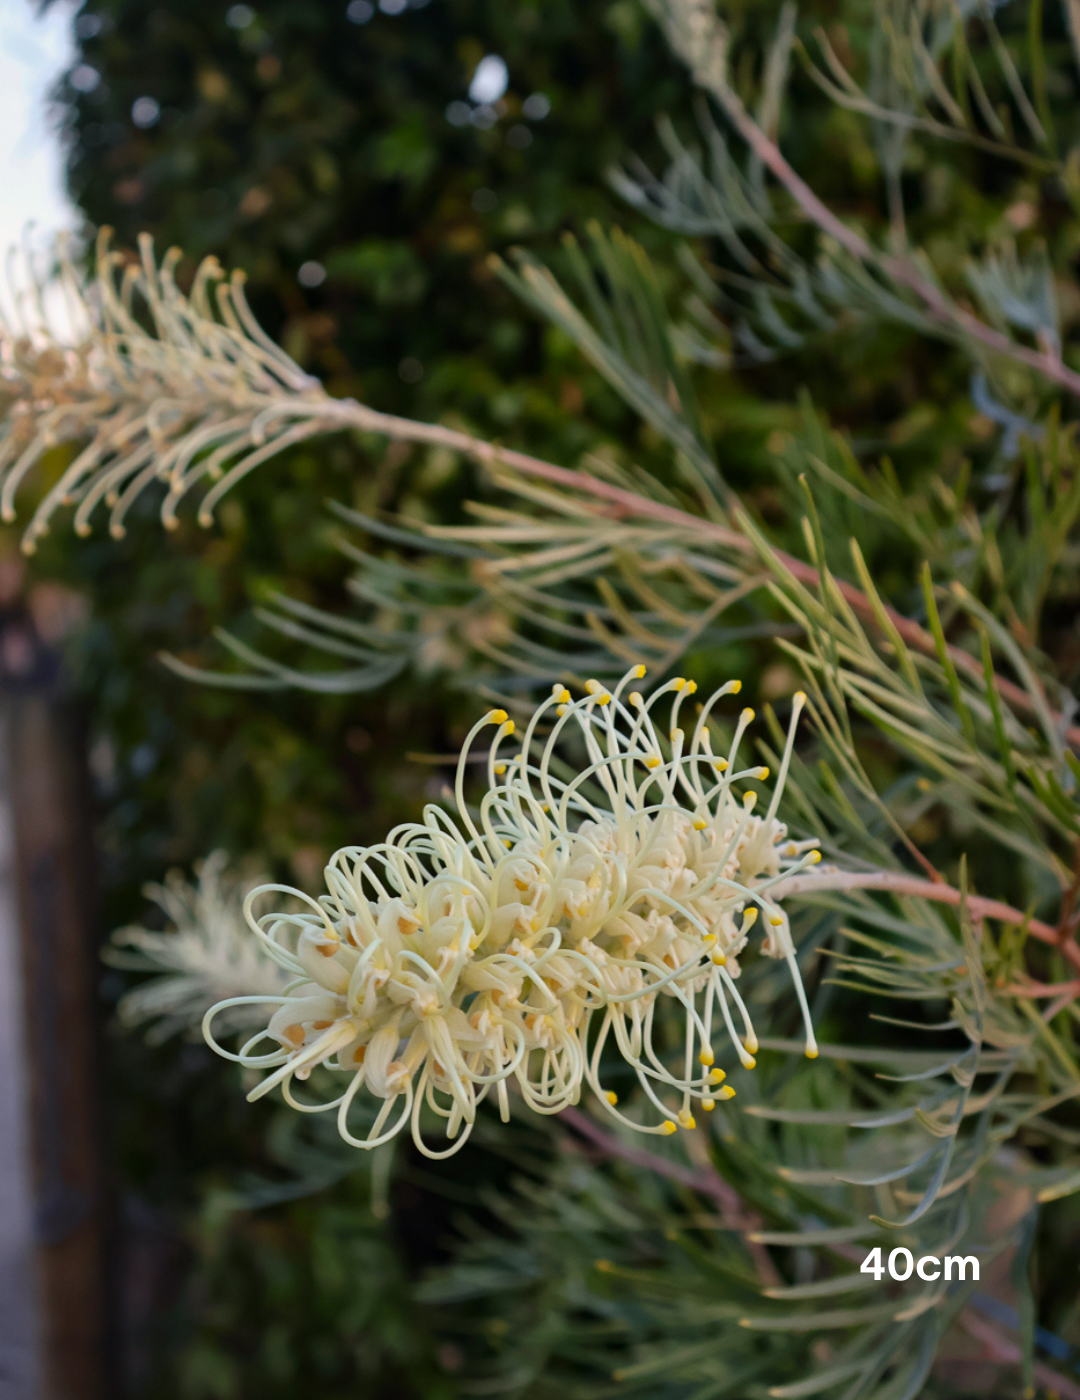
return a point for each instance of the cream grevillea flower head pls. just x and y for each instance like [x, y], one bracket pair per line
[522, 938]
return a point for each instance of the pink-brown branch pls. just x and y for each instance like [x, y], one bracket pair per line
[900, 270]
[1005, 1352]
[624, 504]
[707, 1182]
[895, 882]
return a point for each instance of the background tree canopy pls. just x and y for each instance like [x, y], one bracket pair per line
[335, 154]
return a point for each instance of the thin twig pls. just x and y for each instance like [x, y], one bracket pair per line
[629, 503]
[899, 269]
[706, 1181]
[1037, 991]
[1008, 1353]
[895, 882]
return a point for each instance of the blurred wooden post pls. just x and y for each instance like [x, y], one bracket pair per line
[54, 1272]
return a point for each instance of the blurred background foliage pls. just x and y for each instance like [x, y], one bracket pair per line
[334, 153]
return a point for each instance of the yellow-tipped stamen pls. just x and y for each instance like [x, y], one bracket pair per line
[799, 700]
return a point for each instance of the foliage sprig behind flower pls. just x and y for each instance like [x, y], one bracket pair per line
[203, 957]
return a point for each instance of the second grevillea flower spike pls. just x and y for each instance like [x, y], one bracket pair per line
[520, 940]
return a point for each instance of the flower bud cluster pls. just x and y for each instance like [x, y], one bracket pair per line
[520, 940]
